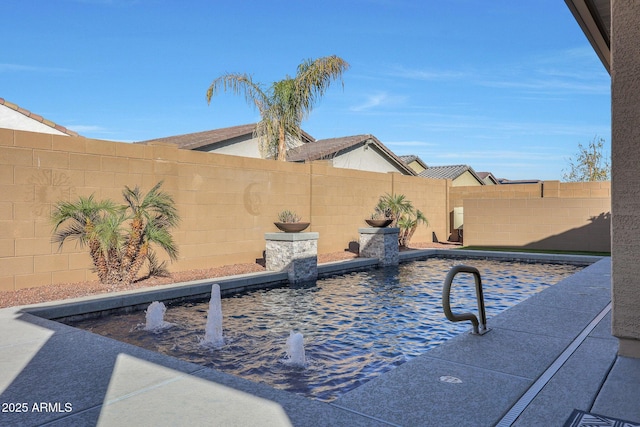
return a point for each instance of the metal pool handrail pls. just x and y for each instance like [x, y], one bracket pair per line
[479, 327]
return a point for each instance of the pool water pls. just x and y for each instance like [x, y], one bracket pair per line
[355, 326]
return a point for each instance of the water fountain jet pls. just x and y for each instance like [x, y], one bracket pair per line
[295, 350]
[155, 317]
[213, 329]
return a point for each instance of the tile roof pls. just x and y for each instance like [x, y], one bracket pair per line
[448, 172]
[37, 118]
[484, 175]
[329, 148]
[408, 159]
[413, 158]
[192, 141]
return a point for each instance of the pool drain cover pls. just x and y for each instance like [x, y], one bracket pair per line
[450, 379]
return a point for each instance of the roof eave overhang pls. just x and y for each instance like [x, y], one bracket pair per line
[391, 157]
[591, 22]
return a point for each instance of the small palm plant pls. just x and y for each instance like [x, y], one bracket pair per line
[395, 206]
[120, 237]
[404, 216]
[408, 225]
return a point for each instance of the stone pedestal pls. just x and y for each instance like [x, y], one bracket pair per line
[295, 253]
[380, 243]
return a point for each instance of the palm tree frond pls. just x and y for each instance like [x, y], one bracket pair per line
[286, 103]
[239, 84]
[314, 78]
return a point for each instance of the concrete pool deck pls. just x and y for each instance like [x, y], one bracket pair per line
[53, 374]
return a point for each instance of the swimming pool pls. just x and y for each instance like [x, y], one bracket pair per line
[355, 326]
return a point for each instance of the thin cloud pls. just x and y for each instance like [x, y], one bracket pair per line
[426, 74]
[19, 68]
[570, 71]
[496, 128]
[108, 2]
[380, 99]
[469, 156]
[550, 86]
[410, 144]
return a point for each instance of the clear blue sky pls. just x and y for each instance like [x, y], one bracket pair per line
[505, 86]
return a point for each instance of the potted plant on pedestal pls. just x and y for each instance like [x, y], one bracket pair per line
[289, 222]
[380, 218]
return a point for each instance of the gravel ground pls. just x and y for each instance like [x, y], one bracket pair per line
[73, 290]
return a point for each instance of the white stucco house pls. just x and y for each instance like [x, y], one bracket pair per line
[14, 117]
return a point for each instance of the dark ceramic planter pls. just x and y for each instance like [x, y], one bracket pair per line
[379, 223]
[291, 227]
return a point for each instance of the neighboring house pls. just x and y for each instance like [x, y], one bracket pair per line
[235, 141]
[14, 117]
[414, 162]
[460, 175]
[488, 178]
[362, 152]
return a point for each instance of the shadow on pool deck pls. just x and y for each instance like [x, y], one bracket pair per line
[54, 374]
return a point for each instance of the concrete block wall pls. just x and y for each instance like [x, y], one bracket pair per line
[431, 198]
[226, 203]
[341, 198]
[575, 224]
[550, 215]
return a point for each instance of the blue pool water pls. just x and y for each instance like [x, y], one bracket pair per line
[355, 327]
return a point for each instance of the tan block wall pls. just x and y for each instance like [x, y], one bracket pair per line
[547, 189]
[430, 196]
[457, 195]
[226, 203]
[341, 200]
[550, 215]
[576, 224]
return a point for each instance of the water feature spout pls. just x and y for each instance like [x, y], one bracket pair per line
[155, 317]
[295, 350]
[213, 329]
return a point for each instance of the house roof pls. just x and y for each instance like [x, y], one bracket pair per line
[448, 172]
[484, 175]
[413, 158]
[329, 148]
[192, 141]
[37, 118]
[594, 17]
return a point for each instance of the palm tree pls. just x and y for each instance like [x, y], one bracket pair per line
[408, 225]
[403, 215]
[83, 222]
[396, 205]
[285, 103]
[151, 217]
[118, 252]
